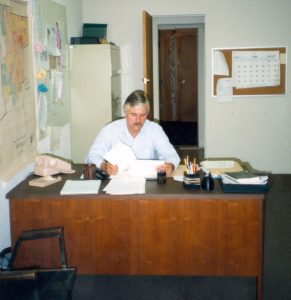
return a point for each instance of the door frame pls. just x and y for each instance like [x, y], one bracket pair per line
[195, 21]
[148, 60]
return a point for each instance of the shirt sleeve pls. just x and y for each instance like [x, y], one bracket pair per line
[164, 148]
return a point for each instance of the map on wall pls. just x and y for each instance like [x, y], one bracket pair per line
[51, 56]
[17, 102]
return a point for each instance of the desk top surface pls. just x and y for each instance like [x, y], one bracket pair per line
[153, 189]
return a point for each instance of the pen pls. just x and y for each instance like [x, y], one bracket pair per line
[185, 163]
[194, 165]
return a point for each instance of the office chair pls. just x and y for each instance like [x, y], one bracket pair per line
[38, 283]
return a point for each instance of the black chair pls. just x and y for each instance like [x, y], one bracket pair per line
[38, 283]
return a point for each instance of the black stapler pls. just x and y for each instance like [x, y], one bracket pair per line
[100, 174]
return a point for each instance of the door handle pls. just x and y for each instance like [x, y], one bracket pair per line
[146, 80]
[183, 81]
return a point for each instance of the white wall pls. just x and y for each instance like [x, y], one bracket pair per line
[253, 129]
[74, 24]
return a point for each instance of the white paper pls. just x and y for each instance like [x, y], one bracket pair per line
[56, 85]
[215, 164]
[76, 187]
[179, 178]
[42, 111]
[224, 90]
[255, 68]
[252, 180]
[220, 66]
[121, 155]
[125, 185]
[144, 168]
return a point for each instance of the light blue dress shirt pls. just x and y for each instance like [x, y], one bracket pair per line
[150, 143]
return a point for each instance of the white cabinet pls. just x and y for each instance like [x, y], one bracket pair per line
[95, 87]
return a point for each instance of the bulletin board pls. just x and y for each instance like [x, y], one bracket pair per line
[52, 70]
[249, 71]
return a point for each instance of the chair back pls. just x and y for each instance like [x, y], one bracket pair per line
[38, 284]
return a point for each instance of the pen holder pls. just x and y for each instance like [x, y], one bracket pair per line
[191, 181]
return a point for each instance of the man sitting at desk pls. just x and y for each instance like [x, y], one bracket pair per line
[146, 138]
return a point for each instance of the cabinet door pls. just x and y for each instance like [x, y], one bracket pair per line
[91, 106]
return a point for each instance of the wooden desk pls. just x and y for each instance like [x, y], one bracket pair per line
[168, 230]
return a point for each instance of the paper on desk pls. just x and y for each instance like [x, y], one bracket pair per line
[125, 185]
[76, 187]
[144, 168]
[243, 178]
[217, 167]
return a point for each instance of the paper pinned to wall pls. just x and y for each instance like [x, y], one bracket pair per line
[220, 66]
[224, 90]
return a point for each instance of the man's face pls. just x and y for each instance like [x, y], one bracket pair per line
[135, 118]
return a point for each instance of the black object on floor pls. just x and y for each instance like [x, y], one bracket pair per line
[113, 287]
[181, 133]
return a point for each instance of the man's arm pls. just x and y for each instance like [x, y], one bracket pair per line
[166, 151]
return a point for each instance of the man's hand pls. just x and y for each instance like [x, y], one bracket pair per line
[168, 167]
[109, 168]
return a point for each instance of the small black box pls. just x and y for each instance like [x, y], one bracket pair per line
[84, 40]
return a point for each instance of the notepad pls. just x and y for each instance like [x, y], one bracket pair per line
[125, 185]
[76, 187]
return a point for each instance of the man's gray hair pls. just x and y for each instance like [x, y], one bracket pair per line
[137, 97]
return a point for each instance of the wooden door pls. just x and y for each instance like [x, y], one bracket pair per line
[148, 59]
[178, 57]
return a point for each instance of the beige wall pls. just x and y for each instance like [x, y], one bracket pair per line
[254, 129]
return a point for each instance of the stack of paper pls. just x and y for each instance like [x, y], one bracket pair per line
[243, 178]
[217, 167]
[125, 185]
[76, 187]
